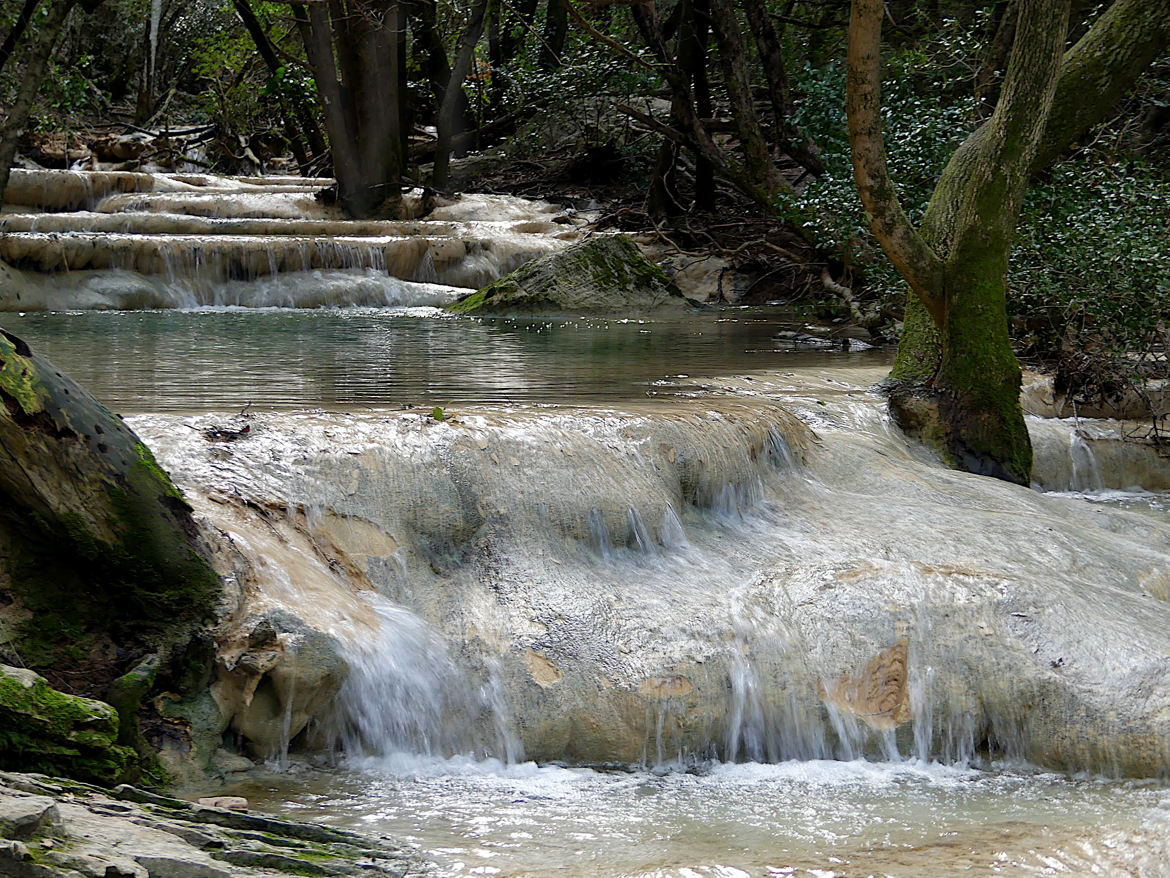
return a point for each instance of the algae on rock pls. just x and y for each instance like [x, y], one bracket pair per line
[101, 563]
[606, 275]
[50, 732]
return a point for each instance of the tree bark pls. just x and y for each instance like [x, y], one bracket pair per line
[966, 235]
[757, 162]
[794, 142]
[556, 28]
[35, 61]
[450, 108]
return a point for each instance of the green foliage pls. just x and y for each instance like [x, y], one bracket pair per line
[928, 109]
[1089, 274]
[578, 100]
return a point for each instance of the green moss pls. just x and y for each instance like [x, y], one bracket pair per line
[601, 275]
[470, 303]
[147, 464]
[47, 731]
[19, 379]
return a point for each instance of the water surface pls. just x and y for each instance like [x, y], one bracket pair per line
[336, 359]
[823, 819]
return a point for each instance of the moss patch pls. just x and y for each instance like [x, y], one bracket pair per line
[600, 276]
[47, 731]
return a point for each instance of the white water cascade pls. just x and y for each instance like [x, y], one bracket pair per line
[546, 545]
[738, 623]
[121, 240]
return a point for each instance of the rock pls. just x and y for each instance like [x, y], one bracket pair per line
[99, 547]
[230, 803]
[25, 817]
[288, 673]
[1035, 626]
[601, 276]
[58, 733]
[144, 835]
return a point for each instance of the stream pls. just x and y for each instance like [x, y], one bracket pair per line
[617, 613]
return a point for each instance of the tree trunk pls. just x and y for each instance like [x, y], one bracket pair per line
[451, 106]
[789, 138]
[1094, 74]
[966, 234]
[556, 28]
[268, 54]
[354, 50]
[34, 69]
[757, 162]
[18, 28]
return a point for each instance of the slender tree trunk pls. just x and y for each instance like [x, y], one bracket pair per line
[449, 109]
[35, 60]
[794, 142]
[556, 28]
[268, 54]
[757, 162]
[18, 28]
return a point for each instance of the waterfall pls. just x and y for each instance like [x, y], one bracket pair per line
[1086, 476]
[405, 694]
[703, 577]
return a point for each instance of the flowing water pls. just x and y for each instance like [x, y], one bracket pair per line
[628, 608]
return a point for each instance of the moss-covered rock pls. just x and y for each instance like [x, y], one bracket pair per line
[101, 563]
[599, 276]
[47, 731]
[97, 540]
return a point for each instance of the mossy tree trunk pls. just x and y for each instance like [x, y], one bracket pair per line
[1094, 74]
[955, 338]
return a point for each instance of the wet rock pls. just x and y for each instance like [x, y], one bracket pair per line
[55, 732]
[601, 276]
[287, 673]
[134, 834]
[101, 557]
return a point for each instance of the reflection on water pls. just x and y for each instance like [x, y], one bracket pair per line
[795, 818]
[216, 360]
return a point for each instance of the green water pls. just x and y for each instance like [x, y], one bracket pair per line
[219, 360]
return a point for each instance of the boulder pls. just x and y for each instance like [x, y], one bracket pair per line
[599, 276]
[96, 542]
[101, 563]
[49, 731]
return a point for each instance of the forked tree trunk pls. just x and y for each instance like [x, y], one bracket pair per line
[1094, 74]
[957, 266]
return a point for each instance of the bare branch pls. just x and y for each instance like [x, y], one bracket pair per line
[915, 260]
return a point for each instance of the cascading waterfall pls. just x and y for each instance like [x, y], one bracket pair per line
[190, 240]
[535, 579]
[405, 694]
[1086, 476]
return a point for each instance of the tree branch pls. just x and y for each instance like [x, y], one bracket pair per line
[915, 260]
[1101, 69]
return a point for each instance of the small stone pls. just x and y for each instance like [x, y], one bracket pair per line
[230, 803]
